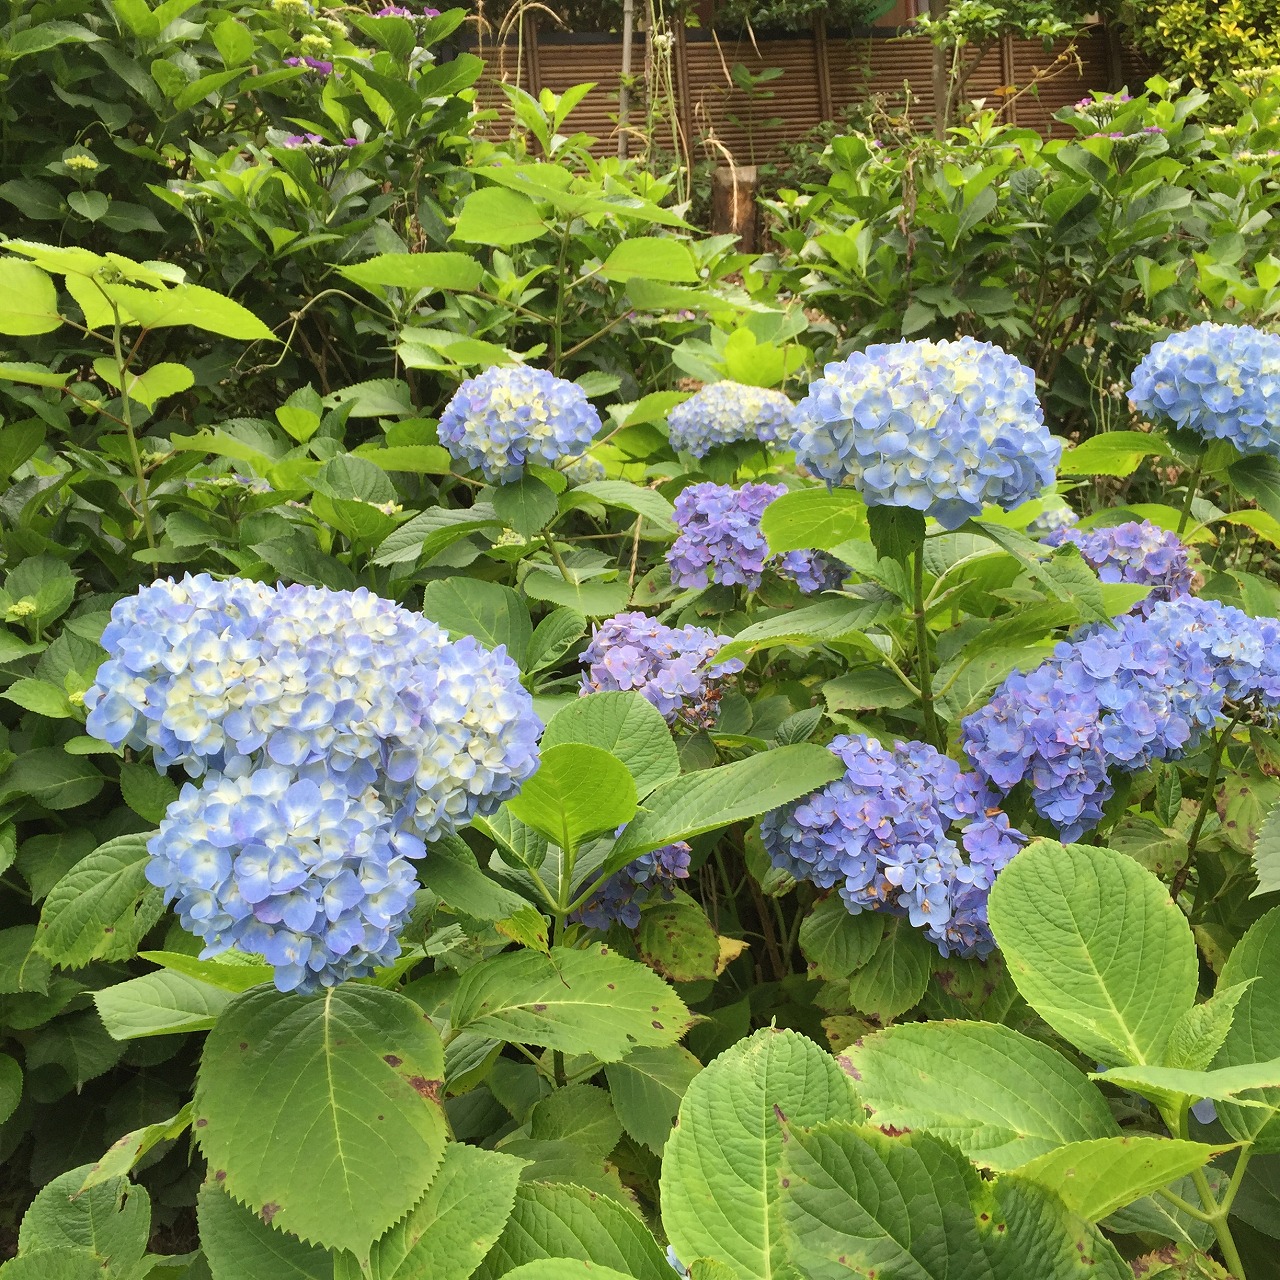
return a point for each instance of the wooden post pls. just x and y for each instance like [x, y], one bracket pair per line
[822, 60]
[529, 23]
[683, 125]
[733, 203]
[1008, 71]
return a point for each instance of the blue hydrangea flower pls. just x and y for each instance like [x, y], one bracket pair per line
[673, 667]
[512, 414]
[294, 697]
[882, 837]
[1221, 381]
[619, 899]
[1115, 700]
[299, 871]
[1137, 552]
[724, 412]
[1052, 519]
[720, 540]
[939, 427]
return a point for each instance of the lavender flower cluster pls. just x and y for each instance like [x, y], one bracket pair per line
[1116, 700]
[725, 412]
[335, 733]
[939, 427]
[1056, 516]
[619, 899]
[720, 540]
[673, 667]
[1221, 381]
[1136, 552]
[512, 414]
[880, 835]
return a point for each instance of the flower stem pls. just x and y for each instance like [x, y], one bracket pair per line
[923, 673]
[1206, 799]
[1193, 484]
[555, 555]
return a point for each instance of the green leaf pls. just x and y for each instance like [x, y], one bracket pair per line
[238, 1245]
[814, 519]
[452, 1228]
[1266, 853]
[1255, 1029]
[323, 1112]
[1175, 1086]
[418, 272]
[651, 258]
[112, 1221]
[623, 495]
[451, 872]
[553, 637]
[1098, 1177]
[53, 1264]
[428, 534]
[1258, 478]
[895, 978]
[720, 1188]
[836, 943]
[627, 725]
[829, 621]
[160, 1004]
[101, 908]
[1096, 947]
[526, 505]
[576, 1001]
[51, 778]
[711, 798]
[1201, 1030]
[557, 1269]
[646, 1087]
[188, 304]
[418, 459]
[232, 971]
[552, 1220]
[999, 1096]
[592, 599]
[159, 382]
[857, 1202]
[1113, 453]
[10, 1086]
[495, 216]
[897, 533]
[35, 375]
[494, 614]
[145, 791]
[30, 299]
[677, 940]
[125, 1152]
[579, 791]
[41, 696]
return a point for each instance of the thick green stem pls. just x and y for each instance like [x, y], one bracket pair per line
[1206, 800]
[923, 671]
[126, 415]
[555, 555]
[1215, 1212]
[557, 336]
[1193, 484]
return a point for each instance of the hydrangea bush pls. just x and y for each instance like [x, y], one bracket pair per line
[727, 412]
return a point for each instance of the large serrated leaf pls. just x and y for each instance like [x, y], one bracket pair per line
[1001, 1097]
[1098, 1177]
[576, 1001]
[646, 1087]
[720, 1186]
[160, 1004]
[495, 615]
[1097, 948]
[112, 1221]
[625, 724]
[555, 1220]
[101, 908]
[452, 1227]
[322, 1113]
[579, 791]
[238, 1245]
[857, 1202]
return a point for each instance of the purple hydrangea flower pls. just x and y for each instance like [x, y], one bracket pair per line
[1053, 518]
[723, 412]
[673, 667]
[619, 899]
[1221, 381]
[882, 837]
[1137, 552]
[318, 65]
[512, 414]
[1116, 700]
[938, 427]
[720, 539]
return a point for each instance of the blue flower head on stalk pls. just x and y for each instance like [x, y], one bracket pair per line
[882, 837]
[727, 412]
[720, 539]
[1115, 700]
[335, 732]
[1136, 552]
[938, 427]
[512, 414]
[1220, 381]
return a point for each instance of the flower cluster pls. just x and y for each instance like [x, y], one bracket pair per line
[723, 412]
[673, 667]
[512, 414]
[940, 427]
[1137, 552]
[1221, 381]
[720, 539]
[1056, 516]
[1118, 700]
[405, 733]
[619, 899]
[880, 835]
